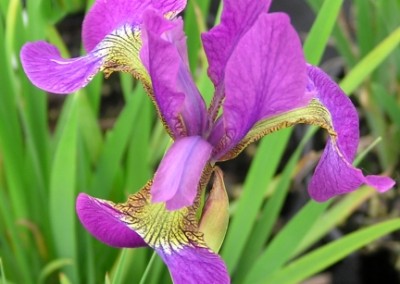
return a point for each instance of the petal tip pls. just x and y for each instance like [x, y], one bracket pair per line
[105, 223]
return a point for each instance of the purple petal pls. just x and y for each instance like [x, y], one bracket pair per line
[335, 174]
[195, 265]
[219, 43]
[165, 56]
[106, 223]
[178, 175]
[107, 15]
[265, 76]
[47, 70]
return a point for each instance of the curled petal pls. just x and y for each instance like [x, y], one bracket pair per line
[264, 77]
[47, 70]
[165, 56]
[105, 222]
[177, 178]
[106, 16]
[118, 51]
[335, 174]
[193, 264]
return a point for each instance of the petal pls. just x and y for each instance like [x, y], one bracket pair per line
[265, 76]
[193, 264]
[107, 15]
[118, 51]
[343, 113]
[176, 238]
[47, 70]
[105, 222]
[165, 56]
[219, 43]
[334, 173]
[177, 178]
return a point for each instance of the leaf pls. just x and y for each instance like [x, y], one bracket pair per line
[327, 255]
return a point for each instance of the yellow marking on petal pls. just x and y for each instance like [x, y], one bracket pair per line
[171, 15]
[120, 52]
[159, 227]
[314, 113]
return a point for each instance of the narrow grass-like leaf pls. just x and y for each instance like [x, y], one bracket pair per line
[365, 32]
[192, 29]
[269, 215]
[370, 62]
[323, 26]
[115, 145]
[3, 274]
[334, 216]
[148, 268]
[387, 102]
[327, 255]
[63, 191]
[122, 271]
[281, 247]
[157, 272]
[52, 267]
[259, 176]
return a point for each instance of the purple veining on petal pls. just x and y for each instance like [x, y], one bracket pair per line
[105, 223]
[47, 70]
[195, 265]
[165, 56]
[219, 43]
[178, 175]
[108, 15]
[265, 76]
[334, 173]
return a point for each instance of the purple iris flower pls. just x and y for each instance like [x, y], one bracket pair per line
[262, 84]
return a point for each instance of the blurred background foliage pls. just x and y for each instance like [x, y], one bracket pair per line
[105, 140]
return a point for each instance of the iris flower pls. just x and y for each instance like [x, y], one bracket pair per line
[262, 84]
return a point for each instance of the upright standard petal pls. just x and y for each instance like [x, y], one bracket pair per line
[118, 51]
[334, 173]
[265, 76]
[106, 223]
[219, 43]
[178, 176]
[175, 93]
[174, 235]
[107, 15]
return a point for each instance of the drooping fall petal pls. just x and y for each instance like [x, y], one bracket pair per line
[107, 15]
[165, 56]
[335, 173]
[174, 235]
[177, 178]
[47, 70]
[106, 223]
[265, 76]
[118, 51]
